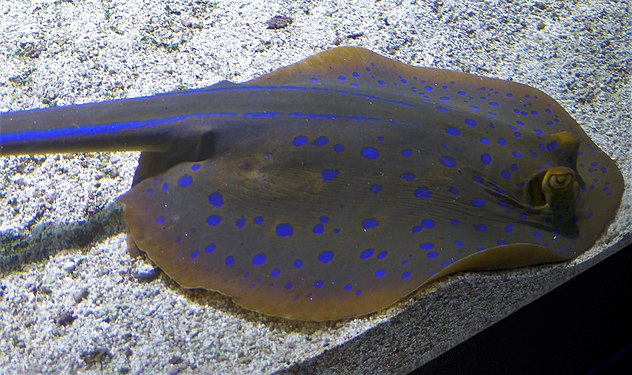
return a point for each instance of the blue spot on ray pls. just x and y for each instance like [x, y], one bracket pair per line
[376, 188]
[259, 259]
[240, 223]
[453, 131]
[486, 159]
[423, 193]
[326, 257]
[368, 253]
[185, 181]
[370, 223]
[478, 202]
[301, 140]
[284, 230]
[216, 199]
[481, 227]
[321, 141]
[330, 174]
[370, 153]
[318, 229]
[427, 246]
[448, 161]
[428, 223]
[214, 220]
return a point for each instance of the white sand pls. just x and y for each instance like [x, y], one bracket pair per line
[84, 309]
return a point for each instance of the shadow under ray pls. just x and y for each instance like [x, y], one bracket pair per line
[38, 244]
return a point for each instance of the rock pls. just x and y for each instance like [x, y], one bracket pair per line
[81, 294]
[69, 266]
[65, 318]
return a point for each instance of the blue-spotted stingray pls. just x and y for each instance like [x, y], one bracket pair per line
[336, 186]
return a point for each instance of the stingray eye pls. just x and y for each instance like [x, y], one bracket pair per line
[557, 183]
[561, 181]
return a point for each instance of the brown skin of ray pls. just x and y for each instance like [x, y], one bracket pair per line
[496, 258]
[165, 149]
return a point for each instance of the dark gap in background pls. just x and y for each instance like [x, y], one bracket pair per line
[581, 327]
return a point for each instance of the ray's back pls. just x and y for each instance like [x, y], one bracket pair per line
[338, 185]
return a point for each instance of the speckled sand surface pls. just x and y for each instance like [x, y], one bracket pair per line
[72, 300]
